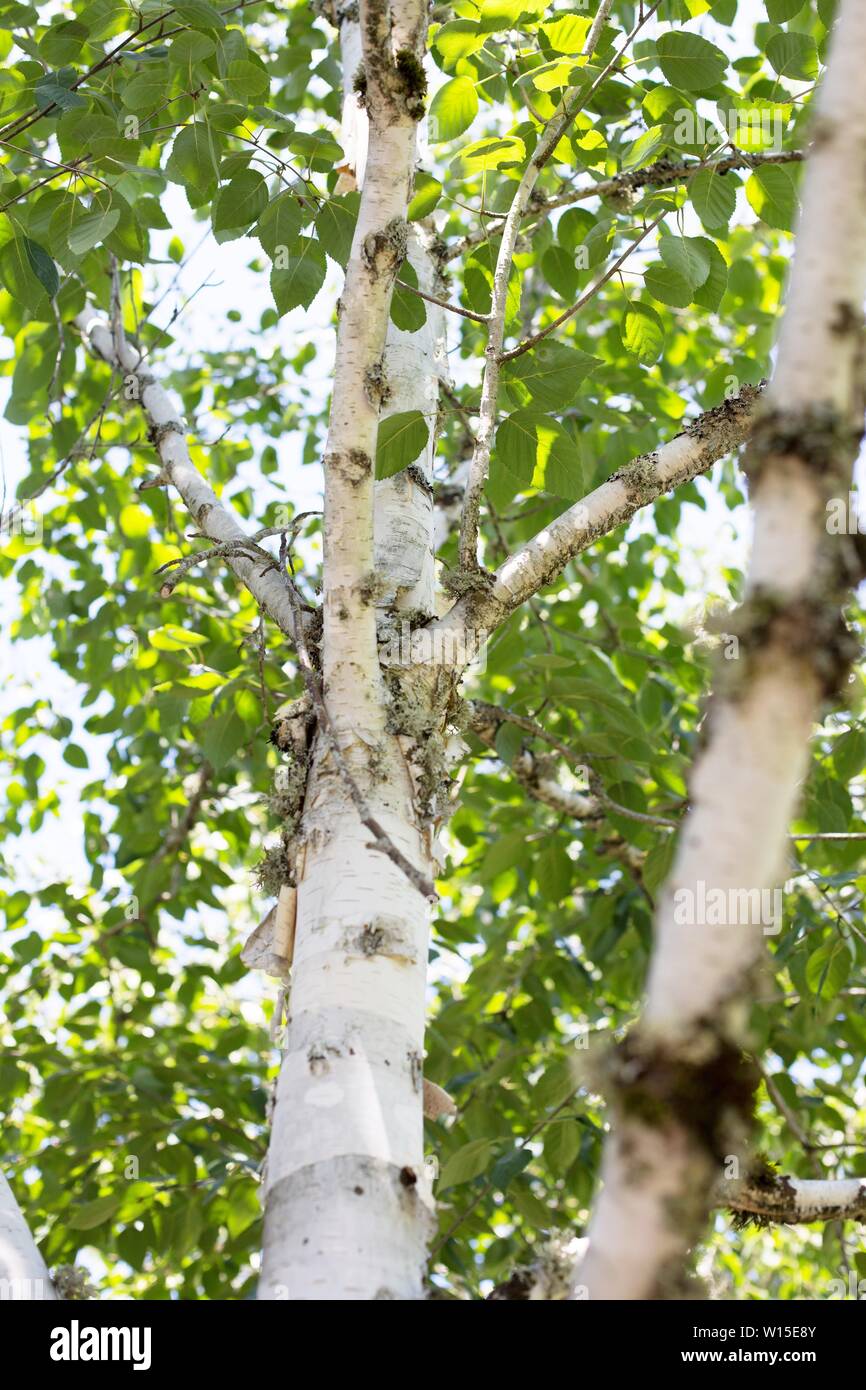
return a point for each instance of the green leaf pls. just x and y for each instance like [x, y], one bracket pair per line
[92, 1214]
[199, 15]
[318, 148]
[467, 1163]
[452, 110]
[568, 33]
[780, 11]
[54, 90]
[491, 153]
[240, 203]
[667, 286]
[533, 448]
[91, 230]
[687, 256]
[222, 737]
[553, 374]
[849, 754]
[42, 266]
[172, 638]
[335, 226]
[298, 274]
[246, 81]
[500, 857]
[553, 873]
[711, 292]
[408, 310]
[714, 198]
[190, 47]
[15, 907]
[659, 863]
[645, 148]
[458, 39]
[772, 192]
[427, 193]
[793, 55]
[690, 62]
[280, 223]
[643, 333]
[559, 1081]
[17, 274]
[194, 161]
[75, 756]
[148, 89]
[509, 1164]
[828, 968]
[400, 441]
[562, 1145]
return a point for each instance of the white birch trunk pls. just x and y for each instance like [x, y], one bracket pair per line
[681, 1096]
[413, 365]
[23, 1272]
[348, 1205]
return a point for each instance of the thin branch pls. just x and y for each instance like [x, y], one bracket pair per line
[529, 343]
[708, 438]
[168, 433]
[662, 174]
[443, 303]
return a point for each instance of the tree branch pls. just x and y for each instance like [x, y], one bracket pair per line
[771, 1197]
[662, 174]
[707, 439]
[168, 431]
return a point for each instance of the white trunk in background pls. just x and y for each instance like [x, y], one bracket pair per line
[678, 1095]
[23, 1272]
[348, 1205]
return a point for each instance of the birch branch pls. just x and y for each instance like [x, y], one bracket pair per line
[213, 517]
[707, 439]
[662, 174]
[772, 1197]
[23, 1272]
[537, 775]
[766, 1199]
[681, 1090]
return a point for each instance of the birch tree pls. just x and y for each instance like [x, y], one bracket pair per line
[466, 695]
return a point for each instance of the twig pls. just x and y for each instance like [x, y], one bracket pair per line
[535, 339]
[444, 303]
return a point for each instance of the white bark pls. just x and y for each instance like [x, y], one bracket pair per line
[348, 1204]
[659, 1165]
[403, 525]
[23, 1273]
[791, 1200]
[211, 515]
[413, 365]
